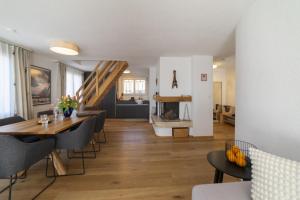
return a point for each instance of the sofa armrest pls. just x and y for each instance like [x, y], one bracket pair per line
[224, 191]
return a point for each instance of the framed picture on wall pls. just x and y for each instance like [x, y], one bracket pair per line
[203, 77]
[40, 85]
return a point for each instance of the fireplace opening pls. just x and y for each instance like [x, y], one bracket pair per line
[170, 110]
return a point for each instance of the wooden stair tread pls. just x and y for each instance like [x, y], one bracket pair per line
[105, 74]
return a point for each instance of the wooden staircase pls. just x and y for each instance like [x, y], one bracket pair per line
[99, 82]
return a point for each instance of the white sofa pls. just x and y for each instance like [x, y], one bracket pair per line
[223, 191]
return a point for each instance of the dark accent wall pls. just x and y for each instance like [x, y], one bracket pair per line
[109, 102]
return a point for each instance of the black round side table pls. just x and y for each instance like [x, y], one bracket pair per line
[218, 160]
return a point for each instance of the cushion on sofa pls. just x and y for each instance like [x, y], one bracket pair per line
[224, 191]
[274, 177]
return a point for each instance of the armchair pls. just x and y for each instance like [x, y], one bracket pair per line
[228, 115]
[16, 156]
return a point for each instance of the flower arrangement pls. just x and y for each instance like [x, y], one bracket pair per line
[67, 104]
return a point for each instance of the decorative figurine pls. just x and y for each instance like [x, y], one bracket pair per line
[174, 84]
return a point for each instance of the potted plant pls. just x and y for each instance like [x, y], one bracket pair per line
[67, 104]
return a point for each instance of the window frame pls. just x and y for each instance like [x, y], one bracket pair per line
[123, 84]
[135, 93]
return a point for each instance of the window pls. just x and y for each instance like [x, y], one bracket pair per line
[131, 86]
[140, 86]
[128, 86]
[7, 90]
[74, 79]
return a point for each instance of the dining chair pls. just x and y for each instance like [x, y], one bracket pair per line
[46, 112]
[17, 119]
[76, 139]
[27, 139]
[100, 126]
[17, 156]
[11, 120]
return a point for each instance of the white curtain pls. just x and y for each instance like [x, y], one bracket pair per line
[140, 86]
[74, 79]
[7, 89]
[22, 62]
[62, 78]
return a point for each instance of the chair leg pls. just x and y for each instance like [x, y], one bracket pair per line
[83, 166]
[92, 151]
[104, 133]
[105, 138]
[53, 180]
[10, 186]
[11, 183]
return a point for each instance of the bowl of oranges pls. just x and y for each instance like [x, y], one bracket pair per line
[237, 152]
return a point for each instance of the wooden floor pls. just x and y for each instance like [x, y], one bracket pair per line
[134, 165]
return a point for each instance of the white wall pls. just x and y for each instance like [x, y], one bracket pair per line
[182, 65]
[153, 88]
[202, 96]
[229, 65]
[268, 77]
[188, 71]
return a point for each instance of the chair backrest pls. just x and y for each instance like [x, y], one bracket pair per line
[12, 156]
[16, 155]
[78, 138]
[46, 112]
[11, 120]
[226, 108]
[100, 120]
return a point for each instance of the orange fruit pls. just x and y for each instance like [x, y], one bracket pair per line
[240, 154]
[235, 149]
[241, 162]
[230, 156]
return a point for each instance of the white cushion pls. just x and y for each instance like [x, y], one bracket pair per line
[223, 191]
[273, 177]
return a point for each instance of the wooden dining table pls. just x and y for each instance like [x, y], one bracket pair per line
[33, 128]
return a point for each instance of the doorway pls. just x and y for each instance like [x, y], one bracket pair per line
[217, 100]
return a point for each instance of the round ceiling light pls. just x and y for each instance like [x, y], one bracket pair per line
[127, 71]
[66, 48]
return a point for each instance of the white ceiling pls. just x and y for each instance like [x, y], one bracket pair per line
[139, 31]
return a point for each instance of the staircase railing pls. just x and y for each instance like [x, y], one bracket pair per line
[99, 81]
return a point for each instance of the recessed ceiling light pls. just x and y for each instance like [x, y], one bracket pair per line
[65, 48]
[10, 29]
[127, 71]
[215, 66]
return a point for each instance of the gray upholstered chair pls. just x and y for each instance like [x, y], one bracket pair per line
[100, 126]
[46, 112]
[76, 139]
[17, 119]
[17, 156]
[11, 120]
